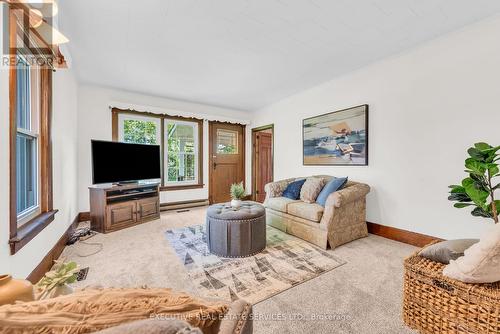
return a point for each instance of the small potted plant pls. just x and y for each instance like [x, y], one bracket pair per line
[55, 282]
[237, 192]
[478, 190]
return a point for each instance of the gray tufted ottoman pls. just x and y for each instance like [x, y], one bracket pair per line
[236, 233]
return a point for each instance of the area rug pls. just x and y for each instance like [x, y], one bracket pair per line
[286, 262]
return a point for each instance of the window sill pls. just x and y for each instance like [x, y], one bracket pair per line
[183, 187]
[29, 230]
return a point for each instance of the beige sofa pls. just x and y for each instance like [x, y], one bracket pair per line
[342, 220]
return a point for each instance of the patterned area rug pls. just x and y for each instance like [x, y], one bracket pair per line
[286, 262]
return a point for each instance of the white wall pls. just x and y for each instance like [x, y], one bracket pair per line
[64, 149]
[94, 122]
[427, 106]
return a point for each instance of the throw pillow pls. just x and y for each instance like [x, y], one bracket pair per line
[480, 263]
[445, 251]
[292, 191]
[311, 189]
[276, 188]
[334, 185]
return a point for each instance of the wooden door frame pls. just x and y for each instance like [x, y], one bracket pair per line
[211, 155]
[254, 178]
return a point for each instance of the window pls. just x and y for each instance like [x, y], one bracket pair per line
[180, 138]
[27, 167]
[139, 130]
[31, 207]
[227, 141]
[182, 152]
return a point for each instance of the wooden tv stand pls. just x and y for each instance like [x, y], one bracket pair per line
[114, 207]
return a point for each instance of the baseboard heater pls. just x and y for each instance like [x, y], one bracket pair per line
[183, 205]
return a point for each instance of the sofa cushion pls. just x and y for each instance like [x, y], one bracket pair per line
[334, 185]
[292, 191]
[311, 189]
[279, 203]
[309, 211]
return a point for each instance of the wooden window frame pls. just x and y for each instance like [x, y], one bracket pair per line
[20, 235]
[115, 112]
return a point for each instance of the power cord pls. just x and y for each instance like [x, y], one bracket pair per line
[82, 234]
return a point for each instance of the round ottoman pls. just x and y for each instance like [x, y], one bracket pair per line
[236, 233]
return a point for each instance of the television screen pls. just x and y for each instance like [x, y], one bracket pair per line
[114, 162]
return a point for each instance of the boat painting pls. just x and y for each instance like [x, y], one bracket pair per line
[337, 138]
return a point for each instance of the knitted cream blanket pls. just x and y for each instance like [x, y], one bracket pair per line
[88, 311]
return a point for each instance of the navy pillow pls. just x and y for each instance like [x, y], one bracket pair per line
[334, 185]
[292, 191]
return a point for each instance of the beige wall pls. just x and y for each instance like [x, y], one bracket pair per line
[427, 106]
[94, 122]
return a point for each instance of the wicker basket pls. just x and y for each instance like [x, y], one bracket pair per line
[435, 304]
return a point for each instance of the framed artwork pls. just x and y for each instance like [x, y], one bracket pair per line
[338, 138]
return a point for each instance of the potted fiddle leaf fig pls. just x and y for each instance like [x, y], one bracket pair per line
[237, 192]
[478, 190]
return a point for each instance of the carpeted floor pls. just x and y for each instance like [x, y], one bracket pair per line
[361, 296]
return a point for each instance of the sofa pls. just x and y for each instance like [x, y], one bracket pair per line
[341, 220]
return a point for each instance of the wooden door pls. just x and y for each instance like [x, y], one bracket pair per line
[148, 208]
[262, 163]
[121, 214]
[226, 159]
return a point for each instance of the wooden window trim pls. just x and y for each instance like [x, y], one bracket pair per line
[115, 112]
[20, 236]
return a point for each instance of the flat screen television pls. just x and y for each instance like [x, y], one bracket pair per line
[114, 162]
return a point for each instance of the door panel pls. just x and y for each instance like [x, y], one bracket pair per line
[263, 163]
[147, 207]
[227, 159]
[120, 214]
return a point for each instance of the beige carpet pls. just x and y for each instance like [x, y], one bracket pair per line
[361, 296]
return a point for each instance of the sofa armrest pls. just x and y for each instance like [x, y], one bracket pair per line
[347, 195]
[275, 189]
[238, 319]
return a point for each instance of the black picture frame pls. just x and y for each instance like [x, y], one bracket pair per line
[335, 161]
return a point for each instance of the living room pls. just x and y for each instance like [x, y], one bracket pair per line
[238, 167]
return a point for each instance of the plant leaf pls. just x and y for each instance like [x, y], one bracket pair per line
[477, 154]
[482, 146]
[475, 191]
[456, 189]
[462, 205]
[479, 212]
[475, 167]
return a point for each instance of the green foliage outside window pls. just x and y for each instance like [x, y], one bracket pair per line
[181, 152]
[139, 132]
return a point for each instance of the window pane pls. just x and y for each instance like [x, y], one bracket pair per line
[23, 96]
[26, 167]
[181, 152]
[140, 132]
[227, 142]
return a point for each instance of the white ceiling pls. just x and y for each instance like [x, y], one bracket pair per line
[246, 54]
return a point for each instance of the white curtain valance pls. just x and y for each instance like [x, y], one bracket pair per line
[172, 112]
